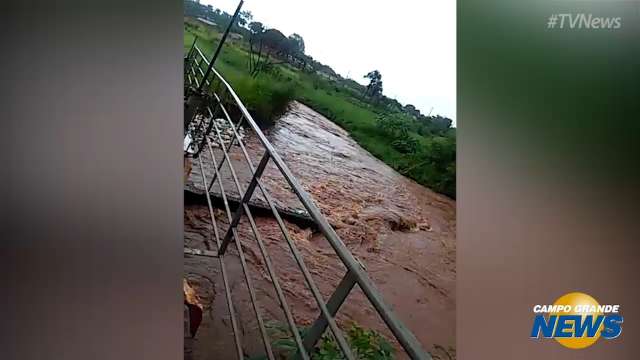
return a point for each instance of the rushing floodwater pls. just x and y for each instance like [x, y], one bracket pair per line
[402, 232]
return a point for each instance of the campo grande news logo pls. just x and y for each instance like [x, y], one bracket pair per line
[576, 321]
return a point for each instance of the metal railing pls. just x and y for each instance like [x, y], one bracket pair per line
[220, 100]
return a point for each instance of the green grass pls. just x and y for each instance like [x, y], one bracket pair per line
[267, 96]
[365, 344]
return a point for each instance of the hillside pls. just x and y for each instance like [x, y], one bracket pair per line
[268, 70]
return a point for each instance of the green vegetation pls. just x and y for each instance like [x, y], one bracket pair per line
[266, 96]
[365, 344]
[268, 70]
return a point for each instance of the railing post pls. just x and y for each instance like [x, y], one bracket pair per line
[245, 199]
[187, 60]
[224, 37]
[333, 305]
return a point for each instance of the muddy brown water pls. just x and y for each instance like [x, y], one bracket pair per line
[402, 232]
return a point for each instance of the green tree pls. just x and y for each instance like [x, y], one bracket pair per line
[256, 27]
[374, 89]
[296, 44]
[244, 18]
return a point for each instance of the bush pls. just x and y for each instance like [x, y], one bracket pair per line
[407, 145]
[365, 344]
[265, 99]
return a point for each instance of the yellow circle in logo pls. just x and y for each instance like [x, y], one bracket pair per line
[581, 301]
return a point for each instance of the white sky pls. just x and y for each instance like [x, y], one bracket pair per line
[411, 42]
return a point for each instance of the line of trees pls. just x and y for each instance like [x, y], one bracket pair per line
[289, 49]
[267, 44]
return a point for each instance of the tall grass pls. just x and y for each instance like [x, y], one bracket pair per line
[266, 96]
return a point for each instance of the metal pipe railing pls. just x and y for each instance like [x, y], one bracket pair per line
[255, 181]
[225, 277]
[274, 279]
[355, 272]
[243, 263]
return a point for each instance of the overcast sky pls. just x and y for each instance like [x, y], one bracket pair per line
[411, 42]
